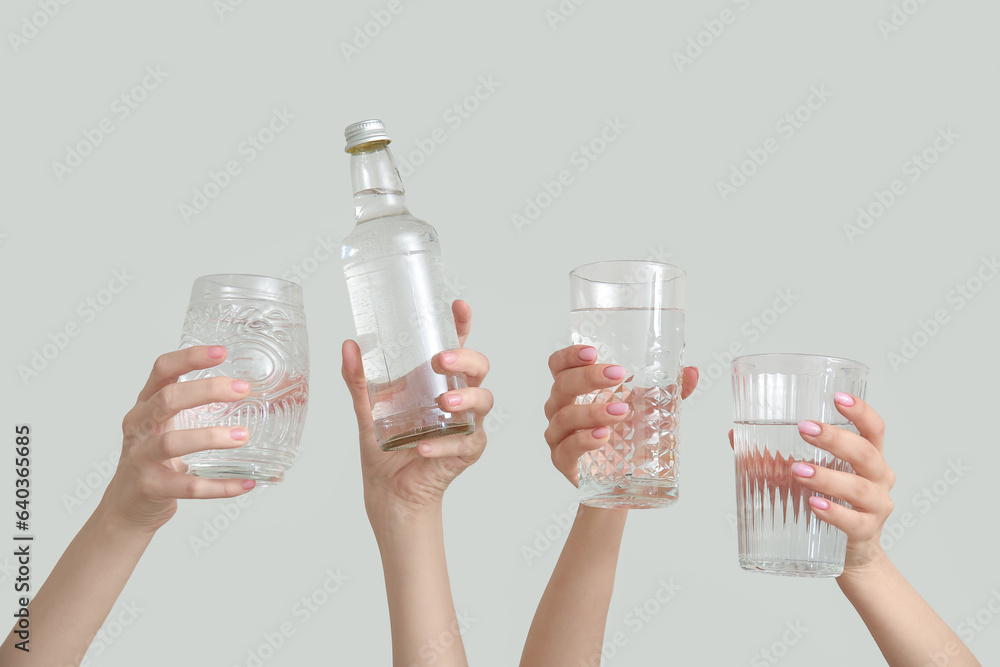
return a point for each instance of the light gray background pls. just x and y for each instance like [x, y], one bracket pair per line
[652, 193]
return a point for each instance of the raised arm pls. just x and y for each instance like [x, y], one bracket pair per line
[905, 627]
[403, 494]
[76, 597]
[568, 627]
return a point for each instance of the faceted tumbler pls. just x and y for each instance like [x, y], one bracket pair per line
[633, 314]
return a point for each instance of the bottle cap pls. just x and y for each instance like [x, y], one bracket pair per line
[365, 132]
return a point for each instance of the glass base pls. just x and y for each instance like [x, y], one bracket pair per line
[793, 568]
[261, 465]
[631, 494]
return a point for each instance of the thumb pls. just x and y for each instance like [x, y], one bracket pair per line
[354, 377]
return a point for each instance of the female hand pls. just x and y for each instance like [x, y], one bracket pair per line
[150, 477]
[415, 479]
[576, 429]
[867, 491]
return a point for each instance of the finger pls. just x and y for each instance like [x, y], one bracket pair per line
[864, 418]
[566, 454]
[690, 380]
[474, 364]
[172, 398]
[173, 444]
[731, 444]
[574, 382]
[571, 357]
[854, 489]
[462, 313]
[170, 366]
[480, 401]
[573, 418]
[180, 485]
[466, 447]
[848, 520]
[866, 460]
[354, 376]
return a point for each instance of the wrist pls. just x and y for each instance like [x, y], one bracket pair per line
[392, 517]
[864, 564]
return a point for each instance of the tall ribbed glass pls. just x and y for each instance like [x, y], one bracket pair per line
[633, 314]
[778, 531]
[261, 323]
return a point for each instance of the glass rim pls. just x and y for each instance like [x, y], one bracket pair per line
[839, 361]
[672, 271]
[246, 285]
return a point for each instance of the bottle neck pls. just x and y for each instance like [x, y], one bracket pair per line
[378, 189]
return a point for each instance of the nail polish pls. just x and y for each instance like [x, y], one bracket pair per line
[239, 433]
[803, 469]
[617, 409]
[216, 352]
[240, 386]
[448, 357]
[844, 399]
[819, 503]
[600, 433]
[614, 372]
[587, 354]
[810, 428]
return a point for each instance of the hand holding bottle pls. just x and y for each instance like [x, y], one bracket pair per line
[415, 479]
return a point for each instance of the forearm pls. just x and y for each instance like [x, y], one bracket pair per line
[906, 628]
[421, 610]
[569, 623]
[71, 606]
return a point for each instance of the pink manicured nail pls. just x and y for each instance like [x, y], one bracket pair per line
[216, 352]
[454, 399]
[240, 386]
[587, 354]
[448, 357]
[844, 399]
[810, 428]
[819, 503]
[803, 469]
[600, 433]
[239, 433]
[249, 484]
[617, 409]
[425, 448]
[614, 372]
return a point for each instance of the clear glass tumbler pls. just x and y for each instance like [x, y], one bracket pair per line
[778, 531]
[261, 323]
[633, 314]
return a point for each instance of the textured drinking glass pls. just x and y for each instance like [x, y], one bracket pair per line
[633, 314]
[778, 532]
[261, 323]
